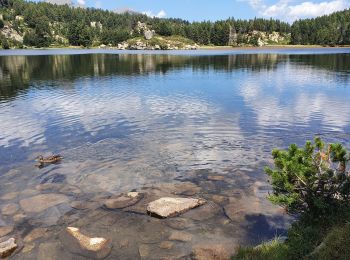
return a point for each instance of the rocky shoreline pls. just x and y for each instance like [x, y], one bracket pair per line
[156, 222]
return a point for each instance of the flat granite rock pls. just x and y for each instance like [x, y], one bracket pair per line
[170, 207]
[78, 243]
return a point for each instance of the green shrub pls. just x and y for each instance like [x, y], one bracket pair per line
[311, 179]
[5, 44]
[114, 36]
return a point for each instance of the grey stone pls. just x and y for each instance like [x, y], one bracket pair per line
[169, 207]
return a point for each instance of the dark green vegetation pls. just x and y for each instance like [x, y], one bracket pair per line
[313, 182]
[44, 24]
[330, 30]
[312, 179]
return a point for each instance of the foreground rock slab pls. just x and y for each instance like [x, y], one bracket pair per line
[7, 247]
[170, 207]
[41, 202]
[78, 243]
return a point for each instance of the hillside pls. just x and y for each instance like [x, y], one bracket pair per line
[43, 24]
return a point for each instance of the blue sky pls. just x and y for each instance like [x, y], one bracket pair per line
[198, 10]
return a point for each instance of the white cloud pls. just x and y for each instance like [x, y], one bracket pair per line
[283, 9]
[81, 2]
[124, 10]
[60, 2]
[160, 14]
[309, 9]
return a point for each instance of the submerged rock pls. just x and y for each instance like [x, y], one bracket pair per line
[7, 247]
[169, 207]
[123, 201]
[19, 217]
[178, 223]
[5, 230]
[219, 199]
[76, 242]
[9, 196]
[82, 205]
[51, 250]
[180, 236]
[166, 245]
[124, 243]
[216, 177]
[210, 252]
[48, 186]
[207, 211]
[41, 202]
[9, 209]
[144, 251]
[237, 209]
[35, 234]
[28, 248]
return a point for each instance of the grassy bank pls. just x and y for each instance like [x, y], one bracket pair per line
[309, 238]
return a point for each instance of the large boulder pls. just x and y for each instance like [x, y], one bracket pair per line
[78, 243]
[169, 207]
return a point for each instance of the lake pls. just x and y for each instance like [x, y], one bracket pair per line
[196, 124]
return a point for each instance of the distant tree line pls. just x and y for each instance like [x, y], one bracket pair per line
[44, 23]
[333, 29]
